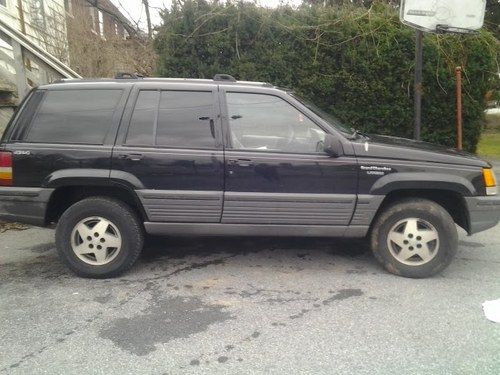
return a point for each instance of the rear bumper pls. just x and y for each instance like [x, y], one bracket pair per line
[24, 205]
[484, 213]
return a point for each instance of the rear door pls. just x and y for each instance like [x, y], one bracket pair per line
[276, 169]
[169, 149]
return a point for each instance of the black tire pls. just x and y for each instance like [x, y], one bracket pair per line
[117, 212]
[421, 209]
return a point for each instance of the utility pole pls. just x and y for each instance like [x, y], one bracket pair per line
[419, 48]
[148, 18]
[458, 72]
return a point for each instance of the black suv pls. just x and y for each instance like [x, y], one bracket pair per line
[110, 160]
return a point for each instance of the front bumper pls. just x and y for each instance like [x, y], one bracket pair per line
[484, 213]
[24, 205]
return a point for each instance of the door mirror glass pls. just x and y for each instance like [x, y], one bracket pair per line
[333, 146]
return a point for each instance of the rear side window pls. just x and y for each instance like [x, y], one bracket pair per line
[21, 120]
[74, 116]
[177, 119]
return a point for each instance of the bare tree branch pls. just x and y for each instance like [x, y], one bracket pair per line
[117, 16]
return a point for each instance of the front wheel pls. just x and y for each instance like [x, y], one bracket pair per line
[99, 237]
[414, 238]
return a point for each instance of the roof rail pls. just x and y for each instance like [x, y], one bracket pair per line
[125, 75]
[224, 77]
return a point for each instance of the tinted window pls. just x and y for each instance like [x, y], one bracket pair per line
[74, 116]
[141, 130]
[22, 119]
[266, 122]
[180, 119]
[186, 119]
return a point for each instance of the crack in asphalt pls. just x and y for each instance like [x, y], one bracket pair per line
[339, 295]
[60, 340]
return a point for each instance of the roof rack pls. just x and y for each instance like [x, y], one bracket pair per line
[224, 77]
[125, 75]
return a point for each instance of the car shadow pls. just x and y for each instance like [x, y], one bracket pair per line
[161, 252]
[181, 247]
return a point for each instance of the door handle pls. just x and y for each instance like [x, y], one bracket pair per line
[211, 123]
[241, 162]
[132, 156]
[212, 128]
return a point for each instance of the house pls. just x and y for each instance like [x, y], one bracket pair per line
[99, 36]
[43, 22]
[101, 17]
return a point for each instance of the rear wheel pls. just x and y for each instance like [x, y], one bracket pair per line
[414, 238]
[99, 237]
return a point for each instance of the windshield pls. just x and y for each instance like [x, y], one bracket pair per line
[331, 119]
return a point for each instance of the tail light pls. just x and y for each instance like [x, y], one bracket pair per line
[5, 168]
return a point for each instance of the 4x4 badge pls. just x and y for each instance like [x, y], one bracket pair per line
[20, 152]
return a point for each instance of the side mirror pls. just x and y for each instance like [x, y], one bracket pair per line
[333, 146]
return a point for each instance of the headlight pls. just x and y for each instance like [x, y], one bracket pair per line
[490, 181]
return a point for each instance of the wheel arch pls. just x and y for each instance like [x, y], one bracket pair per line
[451, 200]
[424, 181]
[68, 194]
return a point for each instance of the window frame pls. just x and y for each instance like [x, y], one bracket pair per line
[126, 121]
[108, 137]
[93, 20]
[40, 22]
[276, 94]
[100, 20]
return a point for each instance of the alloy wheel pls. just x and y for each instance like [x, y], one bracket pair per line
[96, 241]
[413, 241]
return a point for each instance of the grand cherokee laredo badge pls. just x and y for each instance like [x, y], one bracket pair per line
[375, 170]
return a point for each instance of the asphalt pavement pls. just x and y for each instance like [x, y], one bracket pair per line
[247, 306]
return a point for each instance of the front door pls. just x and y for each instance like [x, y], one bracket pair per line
[170, 148]
[276, 170]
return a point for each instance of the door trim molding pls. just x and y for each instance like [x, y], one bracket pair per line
[288, 208]
[182, 205]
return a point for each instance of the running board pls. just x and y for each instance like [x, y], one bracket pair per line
[217, 229]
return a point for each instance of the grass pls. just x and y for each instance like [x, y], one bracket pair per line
[489, 145]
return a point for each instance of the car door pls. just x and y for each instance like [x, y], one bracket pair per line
[276, 170]
[169, 149]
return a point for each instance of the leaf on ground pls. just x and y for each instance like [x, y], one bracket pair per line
[4, 227]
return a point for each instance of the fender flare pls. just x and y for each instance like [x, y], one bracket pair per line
[92, 177]
[102, 178]
[422, 181]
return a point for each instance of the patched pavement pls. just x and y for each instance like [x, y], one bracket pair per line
[246, 305]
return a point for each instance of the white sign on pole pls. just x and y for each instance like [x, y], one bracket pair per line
[458, 16]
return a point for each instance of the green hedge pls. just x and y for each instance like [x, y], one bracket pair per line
[355, 62]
